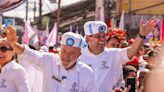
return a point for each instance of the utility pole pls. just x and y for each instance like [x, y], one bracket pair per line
[34, 10]
[27, 10]
[40, 15]
[58, 19]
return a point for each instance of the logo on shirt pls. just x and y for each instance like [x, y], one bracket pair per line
[74, 87]
[3, 83]
[104, 65]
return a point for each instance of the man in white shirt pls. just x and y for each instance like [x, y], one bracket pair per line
[103, 61]
[12, 75]
[63, 72]
[34, 75]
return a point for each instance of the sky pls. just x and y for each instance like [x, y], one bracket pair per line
[47, 7]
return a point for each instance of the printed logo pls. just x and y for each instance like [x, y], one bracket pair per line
[69, 42]
[74, 87]
[3, 83]
[104, 65]
[102, 28]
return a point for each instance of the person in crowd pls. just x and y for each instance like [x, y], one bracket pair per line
[62, 73]
[105, 62]
[112, 42]
[12, 75]
[129, 71]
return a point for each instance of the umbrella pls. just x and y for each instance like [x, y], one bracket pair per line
[6, 5]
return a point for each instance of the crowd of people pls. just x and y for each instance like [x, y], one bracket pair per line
[94, 63]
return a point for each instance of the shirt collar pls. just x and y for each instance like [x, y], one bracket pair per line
[7, 66]
[87, 51]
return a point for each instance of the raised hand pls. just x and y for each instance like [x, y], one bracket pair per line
[10, 34]
[147, 27]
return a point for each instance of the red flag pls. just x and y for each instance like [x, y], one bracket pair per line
[108, 22]
[162, 30]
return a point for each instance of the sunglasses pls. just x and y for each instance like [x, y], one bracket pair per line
[4, 49]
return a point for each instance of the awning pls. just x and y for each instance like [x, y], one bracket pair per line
[154, 7]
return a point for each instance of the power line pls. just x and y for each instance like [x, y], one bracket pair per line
[48, 6]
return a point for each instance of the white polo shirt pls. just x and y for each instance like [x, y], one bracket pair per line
[105, 66]
[13, 78]
[56, 78]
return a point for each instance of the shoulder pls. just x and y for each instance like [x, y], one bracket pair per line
[84, 67]
[17, 68]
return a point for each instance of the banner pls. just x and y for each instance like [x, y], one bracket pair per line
[10, 21]
[155, 37]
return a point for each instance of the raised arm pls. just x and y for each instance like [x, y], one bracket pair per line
[145, 28]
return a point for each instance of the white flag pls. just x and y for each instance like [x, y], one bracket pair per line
[77, 30]
[51, 40]
[28, 33]
[121, 25]
[70, 28]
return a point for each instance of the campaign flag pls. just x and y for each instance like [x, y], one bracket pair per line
[51, 40]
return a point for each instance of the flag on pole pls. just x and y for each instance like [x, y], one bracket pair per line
[45, 35]
[121, 25]
[100, 10]
[108, 22]
[70, 28]
[77, 30]
[51, 40]
[28, 33]
[35, 41]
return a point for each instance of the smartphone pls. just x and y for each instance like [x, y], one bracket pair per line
[132, 83]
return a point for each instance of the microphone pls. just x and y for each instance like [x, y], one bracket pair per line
[64, 77]
[57, 79]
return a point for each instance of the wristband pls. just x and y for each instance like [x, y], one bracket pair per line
[141, 36]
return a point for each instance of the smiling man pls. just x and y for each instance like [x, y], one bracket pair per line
[105, 62]
[63, 72]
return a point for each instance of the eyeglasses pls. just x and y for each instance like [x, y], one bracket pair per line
[4, 49]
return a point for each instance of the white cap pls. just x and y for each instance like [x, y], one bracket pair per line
[94, 27]
[73, 40]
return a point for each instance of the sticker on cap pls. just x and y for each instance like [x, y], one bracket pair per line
[69, 42]
[102, 28]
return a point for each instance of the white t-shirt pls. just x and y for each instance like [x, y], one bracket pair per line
[56, 78]
[13, 78]
[105, 66]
